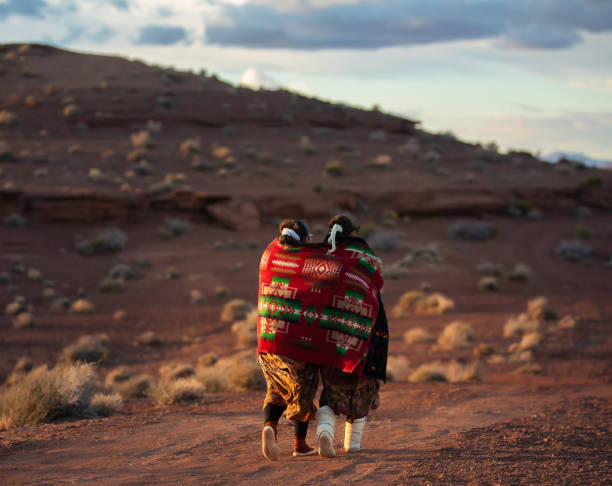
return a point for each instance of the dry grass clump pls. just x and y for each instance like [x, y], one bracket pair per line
[538, 308]
[456, 335]
[529, 342]
[573, 250]
[208, 359]
[195, 296]
[530, 368]
[24, 320]
[21, 368]
[170, 392]
[520, 273]
[418, 335]
[176, 371]
[483, 350]
[136, 387]
[71, 111]
[567, 322]
[235, 310]
[246, 329]
[521, 324]
[190, 146]
[141, 139]
[148, 338]
[488, 283]
[104, 405]
[90, 348]
[419, 303]
[82, 306]
[489, 268]
[221, 152]
[44, 395]
[428, 372]
[398, 368]
[521, 357]
[305, 145]
[8, 118]
[111, 285]
[238, 372]
[116, 376]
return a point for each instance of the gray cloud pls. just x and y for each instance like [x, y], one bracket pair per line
[161, 35]
[545, 24]
[121, 4]
[27, 8]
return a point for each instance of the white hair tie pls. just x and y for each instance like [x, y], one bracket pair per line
[290, 232]
[336, 228]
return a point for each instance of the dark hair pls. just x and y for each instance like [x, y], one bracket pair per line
[347, 225]
[296, 225]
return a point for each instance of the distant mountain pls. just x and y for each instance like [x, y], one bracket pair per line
[556, 156]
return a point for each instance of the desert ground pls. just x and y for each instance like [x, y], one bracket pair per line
[136, 199]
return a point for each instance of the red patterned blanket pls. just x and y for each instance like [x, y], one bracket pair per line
[317, 306]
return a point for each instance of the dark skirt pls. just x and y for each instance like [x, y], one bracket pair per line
[290, 383]
[347, 394]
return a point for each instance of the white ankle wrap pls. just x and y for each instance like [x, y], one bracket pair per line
[352, 435]
[326, 421]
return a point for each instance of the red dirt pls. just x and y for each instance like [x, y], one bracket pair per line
[509, 428]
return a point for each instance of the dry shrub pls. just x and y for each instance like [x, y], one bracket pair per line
[141, 139]
[179, 391]
[44, 395]
[522, 357]
[521, 324]
[221, 152]
[24, 320]
[119, 375]
[246, 329]
[196, 296]
[137, 387]
[488, 268]
[538, 308]
[15, 307]
[148, 338]
[530, 341]
[189, 147]
[417, 302]
[567, 322]
[20, 370]
[520, 273]
[530, 368]
[136, 155]
[104, 405]
[119, 315]
[456, 336]
[428, 372]
[398, 368]
[82, 306]
[488, 283]
[8, 118]
[176, 371]
[483, 350]
[452, 372]
[235, 310]
[208, 359]
[418, 335]
[34, 274]
[90, 348]
[238, 372]
[496, 359]
[71, 111]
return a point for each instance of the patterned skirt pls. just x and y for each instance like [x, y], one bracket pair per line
[292, 384]
[347, 394]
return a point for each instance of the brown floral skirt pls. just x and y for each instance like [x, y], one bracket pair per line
[292, 384]
[349, 395]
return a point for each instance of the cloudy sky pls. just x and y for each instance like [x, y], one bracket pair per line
[530, 74]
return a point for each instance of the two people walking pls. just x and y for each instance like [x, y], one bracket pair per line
[320, 318]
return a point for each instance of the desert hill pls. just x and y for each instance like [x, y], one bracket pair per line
[135, 204]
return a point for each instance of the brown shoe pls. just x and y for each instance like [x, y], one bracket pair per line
[300, 448]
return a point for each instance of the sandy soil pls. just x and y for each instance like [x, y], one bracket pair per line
[507, 428]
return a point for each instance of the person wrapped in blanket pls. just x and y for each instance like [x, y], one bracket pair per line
[291, 384]
[349, 394]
